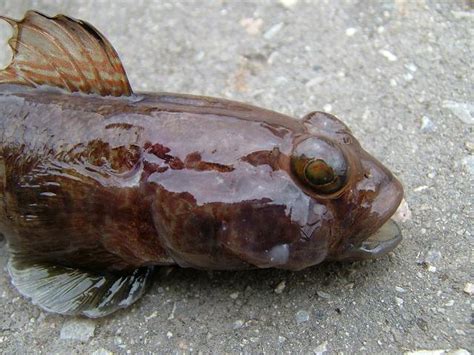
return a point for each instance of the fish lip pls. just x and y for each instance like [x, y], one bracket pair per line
[378, 244]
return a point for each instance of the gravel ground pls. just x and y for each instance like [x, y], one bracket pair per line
[399, 73]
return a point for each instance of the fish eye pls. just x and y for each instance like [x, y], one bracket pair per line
[319, 165]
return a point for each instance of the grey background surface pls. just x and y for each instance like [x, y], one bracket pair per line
[399, 73]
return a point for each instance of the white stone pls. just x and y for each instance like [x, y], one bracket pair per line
[411, 67]
[102, 351]
[280, 287]
[468, 164]
[321, 348]
[77, 329]
[464, 111]
[327, 108]
[252, 25]
[469, 288]
[272, 31]
[388, 55]
[288, 3]
[238, 324]
[426, 124]
[351, 31]
[323, 294]
[438, 352]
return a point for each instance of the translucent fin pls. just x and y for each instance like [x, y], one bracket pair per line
[71, 291]
[63, 52]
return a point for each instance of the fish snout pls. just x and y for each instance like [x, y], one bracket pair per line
[375, 199]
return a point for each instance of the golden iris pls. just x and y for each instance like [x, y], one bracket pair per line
[317, 172]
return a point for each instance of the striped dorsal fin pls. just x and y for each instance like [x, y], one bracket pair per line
[66, 53]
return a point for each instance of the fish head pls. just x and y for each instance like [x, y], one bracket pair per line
[284, 195]
[352, 195]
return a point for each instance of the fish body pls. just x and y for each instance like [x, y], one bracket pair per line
[99, 183]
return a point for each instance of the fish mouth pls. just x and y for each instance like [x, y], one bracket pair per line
[384, 240]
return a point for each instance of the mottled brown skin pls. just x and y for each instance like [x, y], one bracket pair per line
[106, 183]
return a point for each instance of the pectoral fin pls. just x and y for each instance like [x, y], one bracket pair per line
[66, 53]
[72, 291]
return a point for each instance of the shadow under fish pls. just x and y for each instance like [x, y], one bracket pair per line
[99, 184]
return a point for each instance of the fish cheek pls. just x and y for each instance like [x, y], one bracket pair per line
[260, 234]
[190, 233]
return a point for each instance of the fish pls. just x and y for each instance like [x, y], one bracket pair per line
[101, 185]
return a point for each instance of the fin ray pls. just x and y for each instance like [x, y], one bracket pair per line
[63, 52]
[70, 291]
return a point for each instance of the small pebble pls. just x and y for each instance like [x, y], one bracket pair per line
[151, 316]
[77, 329]
[464, 111]
[280, 287]
[388, 55]
[323, 294]
[469, 288]
[288, 3]
[432, 256]
[102, 351]
[272, 31]
[469, 146]
[302, 316]
[321, 348]
[169, 335]
[420, 188]
[468, 164]
[450, 303]
[411, 67]
[400, 289]
[238, 324]
[438, 352]
[408, 76]
[314, 82]
[252, 25]
[234, 295]
[351, 31]
[399, 301]
[426, 124]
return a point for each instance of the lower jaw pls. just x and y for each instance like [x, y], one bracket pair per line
[384, 240]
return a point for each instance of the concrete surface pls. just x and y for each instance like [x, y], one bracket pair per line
[399, 73]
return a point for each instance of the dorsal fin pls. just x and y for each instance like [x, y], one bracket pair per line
[66, 53]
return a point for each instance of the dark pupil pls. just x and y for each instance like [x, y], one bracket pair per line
[319, 173]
